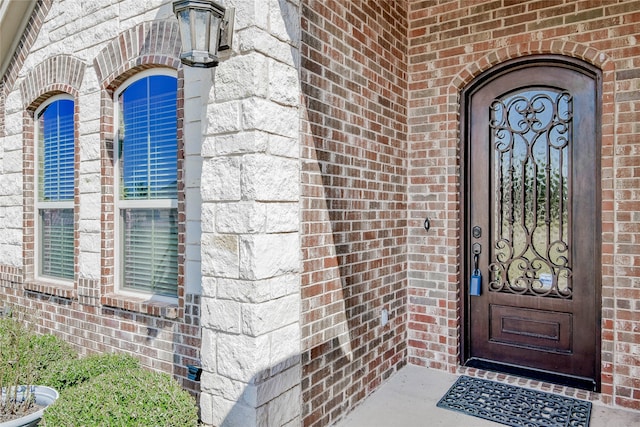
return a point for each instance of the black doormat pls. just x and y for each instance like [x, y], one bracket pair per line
[514, 406]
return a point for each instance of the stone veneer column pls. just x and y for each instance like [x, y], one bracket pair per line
[250, 246]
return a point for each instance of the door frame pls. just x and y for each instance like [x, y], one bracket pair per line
[465, 238]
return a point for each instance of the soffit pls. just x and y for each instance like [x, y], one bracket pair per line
[14, 15]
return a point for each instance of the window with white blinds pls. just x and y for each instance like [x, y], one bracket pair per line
[55, 153]
[148, 185]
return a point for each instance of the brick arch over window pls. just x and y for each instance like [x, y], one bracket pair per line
[153, 44]
[147, 45]
[61, 74]
[58, 74]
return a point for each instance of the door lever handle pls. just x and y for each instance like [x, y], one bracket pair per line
[475, 284]
[477, 248]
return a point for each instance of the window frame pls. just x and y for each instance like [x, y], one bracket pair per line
[39, 205]
[120, 205]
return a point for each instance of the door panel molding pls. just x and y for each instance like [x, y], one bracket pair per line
[537, 329]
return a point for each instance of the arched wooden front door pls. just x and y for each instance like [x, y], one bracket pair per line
[532, 223]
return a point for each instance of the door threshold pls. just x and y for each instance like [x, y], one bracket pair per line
[534, 374]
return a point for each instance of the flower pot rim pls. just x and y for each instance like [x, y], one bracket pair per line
[45, 396]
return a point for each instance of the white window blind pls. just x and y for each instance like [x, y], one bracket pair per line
[148, 185]
[56, 148]
[151, 250]
[57, 243]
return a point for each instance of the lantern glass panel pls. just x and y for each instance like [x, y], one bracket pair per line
[185, 30]
[201, 28]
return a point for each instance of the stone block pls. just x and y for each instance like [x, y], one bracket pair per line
[222, 117]
[12, 142]
[11, 188]
[221, 315]
[11, 254]
[252, 291]
[259, 319]
[284, 285]
[207, 410]
[241, 416]
[221, 179]
[13, 217]
[230, 389]
[89, 264]
[284, 146]
[13, 163]
[90, 203]
[285, 344]
[90, 242]
[242, 77]
[279, 384]
[220, 255]
[285, 408]
[241, 357]
[242, 217]
[13, 123]
[284, 83]
[252, 13]
[210, 286]
[89, 174]
[260, 114]
[208, 353]
[260, 40]
[270, 178]
[89, 226]
[258, 291]
[207, 212]
[244, 142]
[268, 255]
[13, 102]
[282, 217]
[90, 87]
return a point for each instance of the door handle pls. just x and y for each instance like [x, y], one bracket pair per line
[475, 284]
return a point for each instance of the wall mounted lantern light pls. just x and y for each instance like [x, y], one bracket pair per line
[206, 27]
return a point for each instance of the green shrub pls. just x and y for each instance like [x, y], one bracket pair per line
[68, 373]
[131, 397]
[50, 350]
[24, 355]
[17, 361]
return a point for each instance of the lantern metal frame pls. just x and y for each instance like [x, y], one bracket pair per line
[214, 35]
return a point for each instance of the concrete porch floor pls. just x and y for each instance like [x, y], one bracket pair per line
[408, 399]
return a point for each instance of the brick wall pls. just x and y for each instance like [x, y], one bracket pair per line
[354, 168]
[162, 344]
[451, 42]
[87, 313]
[345, 66]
